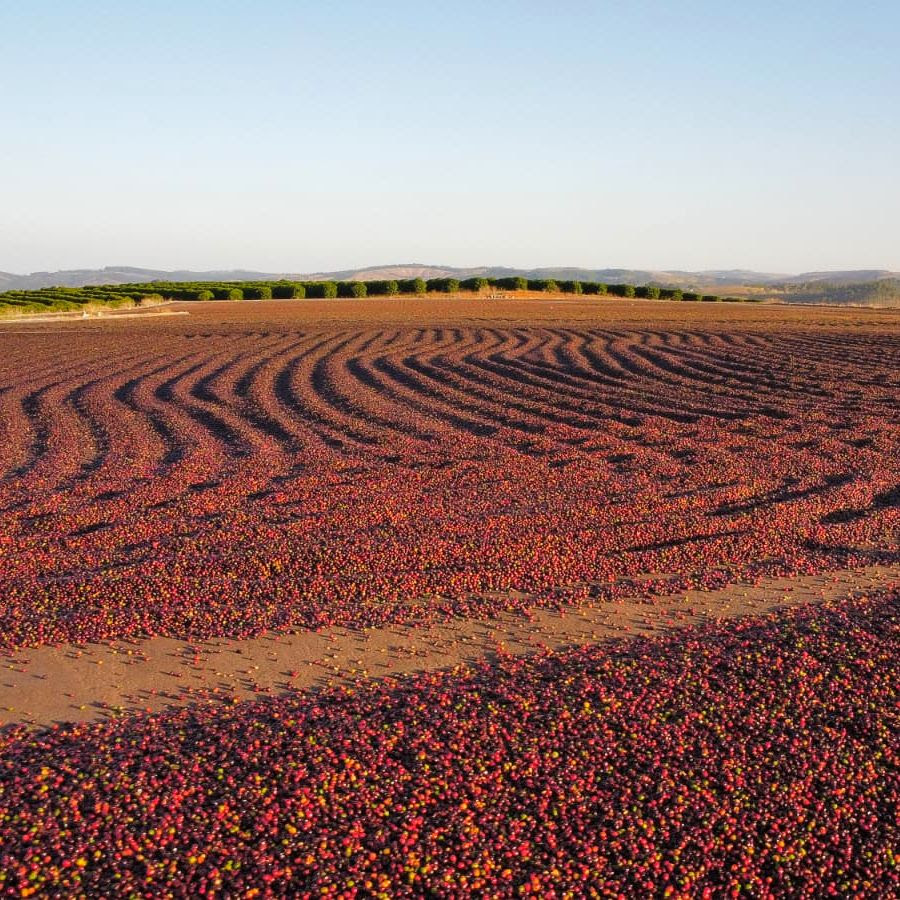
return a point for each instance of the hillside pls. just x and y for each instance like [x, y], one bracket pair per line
[118, 275]
[885, 292]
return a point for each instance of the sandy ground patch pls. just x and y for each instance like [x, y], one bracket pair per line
[96, 681]
[154, 312]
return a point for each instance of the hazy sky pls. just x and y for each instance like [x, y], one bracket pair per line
[296, 136]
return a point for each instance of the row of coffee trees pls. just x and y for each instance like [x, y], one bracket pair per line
[119, 296]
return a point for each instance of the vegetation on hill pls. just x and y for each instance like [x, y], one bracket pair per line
[885, 292]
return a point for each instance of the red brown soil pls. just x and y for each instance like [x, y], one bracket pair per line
[133, 450]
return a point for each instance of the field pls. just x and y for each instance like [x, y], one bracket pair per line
[413, 596]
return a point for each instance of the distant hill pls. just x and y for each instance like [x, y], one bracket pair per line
[702, 280]
[118, 275]
[856, 276]
[674, 278]
[863, 286]
[885, 292]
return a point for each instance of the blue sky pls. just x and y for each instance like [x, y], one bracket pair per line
[297, 136]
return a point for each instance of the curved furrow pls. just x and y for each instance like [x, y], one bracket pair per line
[531, 374]
[632, 398]
[23, 432]
[726, 361]
[220, 432]
[174, 392]
[536, 407]
[569, 369]
[567, 366]
[541, 350]
[256, 400]
[137, 442]
[243, 387]
[813, 382]
[701, 384]
[139, 395]
[380, 394]
[701, 359]
[36, 432]
[30, 405]
[309, 430]
[615, 399]
[432, 401]
[683, 406]
[878, 372]
[599, 359]
[369, 397]
[59, 443]
[855, 351]
[590, 393]
[495, 394]
[704, 365]
[92, 402]
[505, 384]
[295, 393]
[324, 383]
[753, 341]
[750, 359]
[217, 393]
[691, 394]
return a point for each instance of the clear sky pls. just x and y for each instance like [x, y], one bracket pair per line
[301, 136]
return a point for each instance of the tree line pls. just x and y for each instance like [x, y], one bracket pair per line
[147, 293]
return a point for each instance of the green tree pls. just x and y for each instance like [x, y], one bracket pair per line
[288, 290]
[318, 289]
[413, 286]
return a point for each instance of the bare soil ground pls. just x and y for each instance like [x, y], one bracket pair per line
[165, 452]
[523, 308]
[89, 682]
